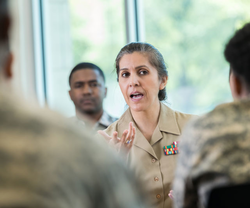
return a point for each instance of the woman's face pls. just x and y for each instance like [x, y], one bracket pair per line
[139, 82]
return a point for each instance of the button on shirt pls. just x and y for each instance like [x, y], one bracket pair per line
[158, 196]
[147, 159]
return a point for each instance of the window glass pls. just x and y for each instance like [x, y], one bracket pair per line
[191, 35]
[57, 60]
[98, 33]
[82, 31]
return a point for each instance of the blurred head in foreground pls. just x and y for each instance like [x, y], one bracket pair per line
[237, 53]
[46, 163]
[5, 55]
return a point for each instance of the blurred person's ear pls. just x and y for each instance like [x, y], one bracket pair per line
[70, 95]
[7, 69]
[236, 86]
[105, 92]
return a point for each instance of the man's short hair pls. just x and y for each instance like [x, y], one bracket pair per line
[86, 65]
[237, 53]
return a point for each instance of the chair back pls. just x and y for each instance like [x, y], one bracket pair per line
[235, 196]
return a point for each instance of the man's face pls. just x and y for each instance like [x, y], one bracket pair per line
[87, 91]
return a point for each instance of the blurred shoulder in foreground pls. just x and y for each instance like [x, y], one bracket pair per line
[46, 162]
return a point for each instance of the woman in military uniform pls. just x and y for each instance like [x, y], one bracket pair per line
[149, 129]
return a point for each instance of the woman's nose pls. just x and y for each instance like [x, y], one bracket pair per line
[133, 81]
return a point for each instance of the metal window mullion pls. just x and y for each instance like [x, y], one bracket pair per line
[140, 20]
[40, 71]
[134, 21]
[130, 16]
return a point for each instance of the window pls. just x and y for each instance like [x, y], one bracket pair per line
[81, 31]
[98, 33]
[191, 35]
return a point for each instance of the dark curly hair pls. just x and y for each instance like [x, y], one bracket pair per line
[237, 53]
[155, 59]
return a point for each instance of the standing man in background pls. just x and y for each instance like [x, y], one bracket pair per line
[87, 91]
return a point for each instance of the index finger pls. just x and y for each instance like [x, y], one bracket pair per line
[130, 131]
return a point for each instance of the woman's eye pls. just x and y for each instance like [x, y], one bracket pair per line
[125, 74]
[143, 72]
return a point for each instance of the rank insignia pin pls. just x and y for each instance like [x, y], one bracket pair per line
[171, 149]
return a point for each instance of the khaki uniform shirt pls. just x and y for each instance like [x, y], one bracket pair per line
[215, 152]
[151, 165]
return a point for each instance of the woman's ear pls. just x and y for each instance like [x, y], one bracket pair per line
[164, 81]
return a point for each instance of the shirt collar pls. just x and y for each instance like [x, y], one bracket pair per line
[168, 121]
[139, 141]
[105, 120]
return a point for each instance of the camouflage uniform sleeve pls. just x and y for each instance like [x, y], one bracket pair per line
[214, 152]
[184, 191]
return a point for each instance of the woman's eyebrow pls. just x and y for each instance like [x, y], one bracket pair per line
[123, 69]
[137, 67]
[141, 66]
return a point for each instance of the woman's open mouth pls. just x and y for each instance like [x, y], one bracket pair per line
[136, 96]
